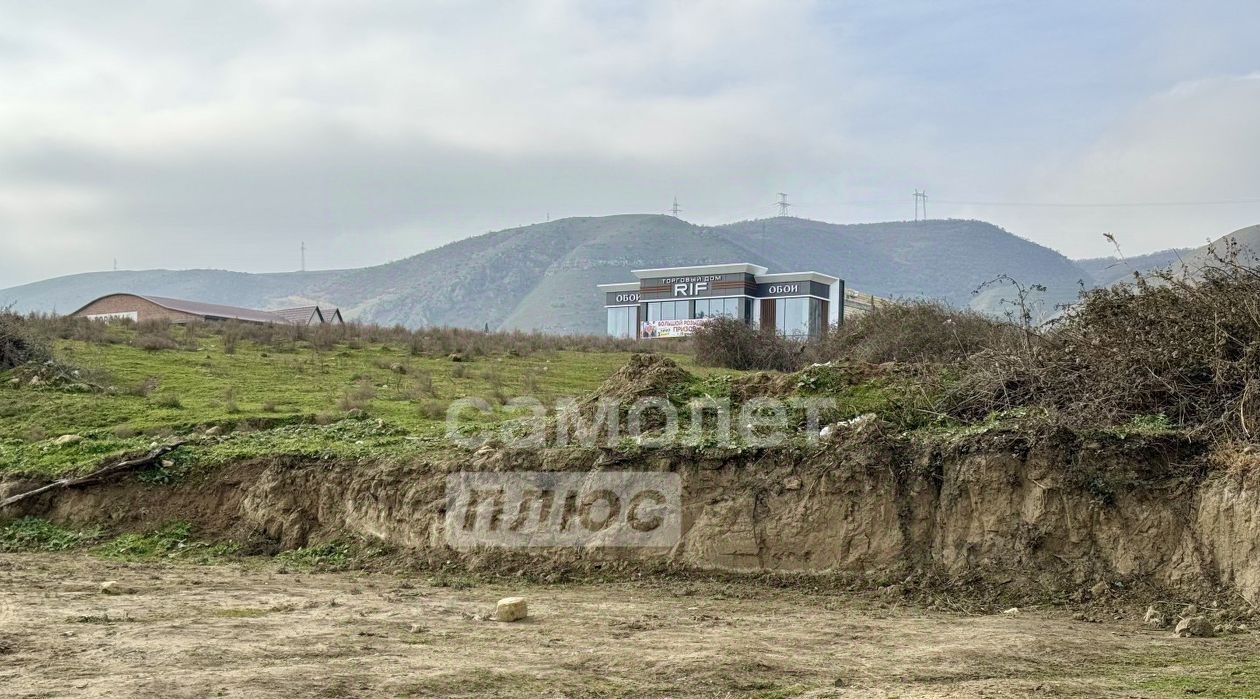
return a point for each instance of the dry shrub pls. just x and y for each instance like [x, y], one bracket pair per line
[19, 343]
[912, 331]
[433, 409]
[1187, 348]
[168, 399]
[231, 337]
[154, 343]
[357, 398]
[732, 343]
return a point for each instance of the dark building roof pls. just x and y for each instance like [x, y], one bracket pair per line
[304, 315]
[206, 310]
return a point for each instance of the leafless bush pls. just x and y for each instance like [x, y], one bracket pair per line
[231, 336]
[1186, 347]
[18, 343]
[912, 331]
[154, 343]
[144, 388]
[433, 409]
[732, 343]
[357, 398]
[167, 399]
[424, 383]
[230, 403]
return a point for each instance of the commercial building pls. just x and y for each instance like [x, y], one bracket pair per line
[674, 301]
[138, 308]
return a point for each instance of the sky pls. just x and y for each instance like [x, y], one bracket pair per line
[225, 134]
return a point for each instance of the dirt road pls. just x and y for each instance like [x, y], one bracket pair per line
[246, 630]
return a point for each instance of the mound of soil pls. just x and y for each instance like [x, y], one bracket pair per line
[645, 375]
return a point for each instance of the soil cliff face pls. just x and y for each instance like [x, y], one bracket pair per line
[1052, 512]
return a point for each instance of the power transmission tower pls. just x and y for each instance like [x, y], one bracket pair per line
[303, 255]
[783, 204]
[920, 199]
[674, 209]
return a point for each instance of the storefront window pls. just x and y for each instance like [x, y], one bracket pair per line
[623, 321]
[798, 317]
[712, 308]
[668, 310]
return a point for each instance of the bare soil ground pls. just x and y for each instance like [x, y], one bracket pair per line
[246, 630]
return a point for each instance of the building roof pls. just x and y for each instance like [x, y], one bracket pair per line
[796, 277]
[302, 315]
[746, 267]
[197, 308]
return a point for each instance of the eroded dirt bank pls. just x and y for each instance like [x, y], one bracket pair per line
[1051, 513]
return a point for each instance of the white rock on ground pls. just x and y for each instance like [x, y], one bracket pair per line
[1195, 627]
[68, 439]
[511, 609]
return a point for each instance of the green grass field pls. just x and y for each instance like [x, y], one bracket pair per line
[372, 400]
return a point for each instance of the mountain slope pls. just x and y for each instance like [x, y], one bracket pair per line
[1109, 270]
[543, 276]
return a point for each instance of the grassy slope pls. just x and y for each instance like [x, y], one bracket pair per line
[279, 398]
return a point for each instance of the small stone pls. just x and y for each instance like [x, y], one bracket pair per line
[68, 439]
[110, 587]
[1100, 590]
[214, 431]
[1012, 610]
[1154, 619]
[510, 609]
[35, 381]
[1194, 627]
[15, 382]
[455, 357]
[826, 432]
[417, 628]
[792, 484]
[167, 463]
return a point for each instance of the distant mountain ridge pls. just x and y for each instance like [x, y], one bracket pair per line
[543, 276]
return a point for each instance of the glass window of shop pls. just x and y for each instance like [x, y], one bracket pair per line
[623, 321]
[798, 317]
[668, 310]
[712, 308]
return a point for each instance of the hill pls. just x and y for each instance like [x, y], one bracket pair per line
[1246, 240]
[542, 276]
[1109, 270]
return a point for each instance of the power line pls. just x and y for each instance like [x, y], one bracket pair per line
[1099, 205]
[303, 255]
[674, 209]
[920, 199]
[783, 204]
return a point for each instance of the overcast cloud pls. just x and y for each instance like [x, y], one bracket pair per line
[222, 134]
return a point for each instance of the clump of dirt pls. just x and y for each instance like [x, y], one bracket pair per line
[645, 375]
